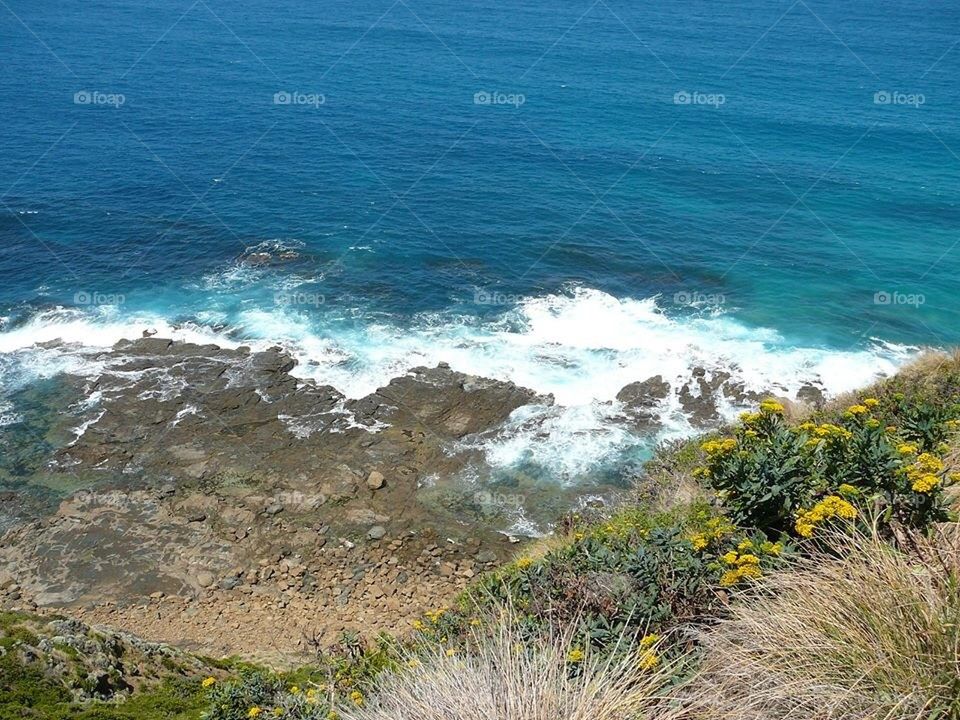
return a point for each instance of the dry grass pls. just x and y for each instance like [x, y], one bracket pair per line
[666, 481]
[506, 679]
[921, 373]
[874, 634]
[540, 547]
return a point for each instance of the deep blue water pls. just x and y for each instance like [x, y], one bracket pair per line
[519, 239]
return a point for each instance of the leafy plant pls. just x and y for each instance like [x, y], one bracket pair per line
[782, 478]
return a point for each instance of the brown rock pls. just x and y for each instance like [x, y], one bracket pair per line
[375, 480]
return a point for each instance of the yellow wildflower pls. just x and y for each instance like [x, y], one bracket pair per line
[857, 410]
[730, 558]
[872, 423]
[332, 715]
[277, 711]
[418, 625]
[575, 655]
[929, 463]
[831, 431]
[771, 548]
[729, 578]
[524, 562]
[848, 490]
[745, 545]
[413, 663]
[356, 697]
[649, 660]
[741, 572]
[648, 641]
[207, 682]
[451, 652]
[925, 483]
[907, 449]
[719, 527]
[294, 689]
[699, 541]
[771, 406]
[254, 711]
[718, 447]
[434, 615]
[749, 417]
[870, 402]
[830, 507]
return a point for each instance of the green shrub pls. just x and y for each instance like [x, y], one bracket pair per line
[27, 693]
[782, 478]
[631, 575]
[311, 693]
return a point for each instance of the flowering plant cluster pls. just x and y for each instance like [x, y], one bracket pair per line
[801, 478]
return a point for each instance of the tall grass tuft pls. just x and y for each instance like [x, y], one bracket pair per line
[506, 678]
[873, 633]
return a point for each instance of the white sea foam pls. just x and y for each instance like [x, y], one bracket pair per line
[569, 441]
[582, 347]
[8, 416]
[84, 426]
[100, 328]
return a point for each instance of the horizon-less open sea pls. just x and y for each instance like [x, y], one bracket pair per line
[570, 195]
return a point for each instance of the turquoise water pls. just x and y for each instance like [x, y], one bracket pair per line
[566, 194]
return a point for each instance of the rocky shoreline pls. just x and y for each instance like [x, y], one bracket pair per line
[208, 497]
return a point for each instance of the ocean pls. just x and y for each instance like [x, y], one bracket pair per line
[570, 195]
